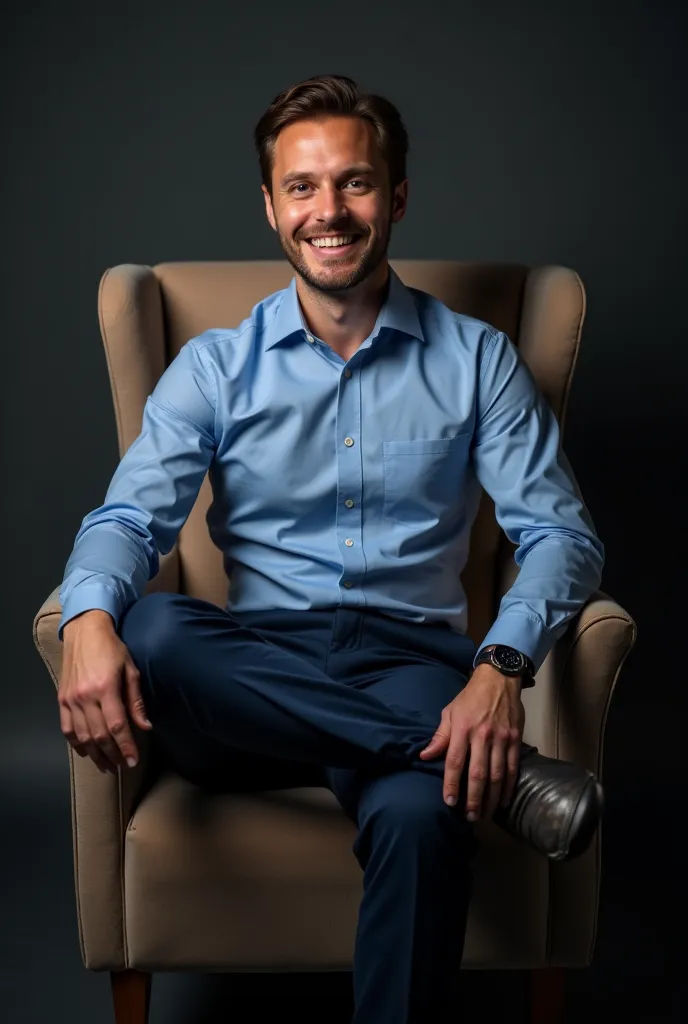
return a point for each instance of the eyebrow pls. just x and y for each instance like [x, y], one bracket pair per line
[350, 172]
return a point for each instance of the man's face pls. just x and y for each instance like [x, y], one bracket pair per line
[330, 183]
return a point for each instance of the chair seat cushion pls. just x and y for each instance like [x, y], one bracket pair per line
[268, 881]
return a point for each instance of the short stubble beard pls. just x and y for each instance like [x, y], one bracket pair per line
[349, 278]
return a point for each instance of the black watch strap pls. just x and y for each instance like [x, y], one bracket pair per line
[509, 662]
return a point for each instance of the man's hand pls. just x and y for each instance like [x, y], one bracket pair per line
[98, 686]
[484, 722]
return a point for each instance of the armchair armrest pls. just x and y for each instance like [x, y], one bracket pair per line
[102, 805]
[566, 710]
[566, 715]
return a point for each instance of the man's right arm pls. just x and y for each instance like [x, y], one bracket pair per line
[150, 496]
[116, 553]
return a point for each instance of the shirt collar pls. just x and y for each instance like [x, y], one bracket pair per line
[398, 313]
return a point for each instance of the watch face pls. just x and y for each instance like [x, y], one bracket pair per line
[509, 659]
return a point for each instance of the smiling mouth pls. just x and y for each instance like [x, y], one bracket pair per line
[333, 245]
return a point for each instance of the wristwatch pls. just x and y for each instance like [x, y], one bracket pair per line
[509, 662]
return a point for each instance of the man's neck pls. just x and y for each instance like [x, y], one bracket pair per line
[344, 320]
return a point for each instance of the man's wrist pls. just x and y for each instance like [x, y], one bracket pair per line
[94, 618]
[485, 671]
[507, 661]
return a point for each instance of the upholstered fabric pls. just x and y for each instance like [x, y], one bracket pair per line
[167, 879]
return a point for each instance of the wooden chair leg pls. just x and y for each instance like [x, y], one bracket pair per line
[547, 996]
[131, 996]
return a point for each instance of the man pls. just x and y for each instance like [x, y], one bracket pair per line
[347, 426]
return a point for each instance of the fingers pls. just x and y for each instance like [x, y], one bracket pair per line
[98, 684]
[85, 739]
[454, 764]
[478, 770]
[495, 787]
[98, 727]
[67, 727]
[76, 730]
[438, 743]
[513, 754]
[119, 740]
[134, 700]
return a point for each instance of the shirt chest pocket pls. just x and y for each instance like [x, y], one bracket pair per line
[423, 479]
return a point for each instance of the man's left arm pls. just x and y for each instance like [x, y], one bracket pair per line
[519, 462]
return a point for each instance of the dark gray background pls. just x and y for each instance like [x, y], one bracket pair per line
[541, 132]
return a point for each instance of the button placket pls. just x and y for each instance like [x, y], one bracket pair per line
[350, 487]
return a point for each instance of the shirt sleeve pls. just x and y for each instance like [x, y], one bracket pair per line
[116, 550]
[519, 462]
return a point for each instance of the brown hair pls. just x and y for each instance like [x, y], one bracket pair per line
[332, 96]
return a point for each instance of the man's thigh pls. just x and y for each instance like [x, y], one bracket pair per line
[180, 744]
[219, 768]
[423, 687]
[427, 688]
[403, 665]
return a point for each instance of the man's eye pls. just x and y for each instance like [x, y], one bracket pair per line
[357, 183]
[300, 185]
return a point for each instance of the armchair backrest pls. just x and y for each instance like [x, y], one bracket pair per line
[147, 314]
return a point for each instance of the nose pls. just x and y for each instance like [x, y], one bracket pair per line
[331, 206]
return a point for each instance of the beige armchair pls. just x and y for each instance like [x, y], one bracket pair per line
[169, 879]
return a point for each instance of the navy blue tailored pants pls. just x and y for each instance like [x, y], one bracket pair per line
[346, 699]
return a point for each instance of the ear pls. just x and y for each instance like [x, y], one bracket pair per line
[269, 212]
[399, 201]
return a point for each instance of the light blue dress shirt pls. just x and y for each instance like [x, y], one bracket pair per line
[348, 484]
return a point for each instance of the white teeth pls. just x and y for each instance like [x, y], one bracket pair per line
[323, 243]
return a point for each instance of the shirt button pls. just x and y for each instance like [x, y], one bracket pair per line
[347, 373]
[349, 543]
[348, 441]
[348, 584]
[349, 503]
[310, 339]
